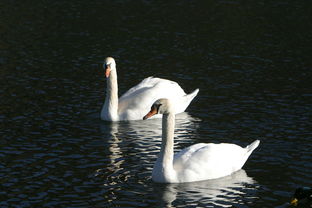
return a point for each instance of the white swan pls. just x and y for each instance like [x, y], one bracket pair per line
[198, 162]
[137, 100]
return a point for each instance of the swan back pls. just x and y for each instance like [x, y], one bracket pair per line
[138, 100]
[209, 161]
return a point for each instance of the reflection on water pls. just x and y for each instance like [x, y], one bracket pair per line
[131, 150]
[144, 138]
[223, 192]
[148, 133]
[114, 152]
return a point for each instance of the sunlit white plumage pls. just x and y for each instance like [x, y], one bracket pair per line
[137, 100]
[198, 162]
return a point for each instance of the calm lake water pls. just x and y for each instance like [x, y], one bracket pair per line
[250, 60]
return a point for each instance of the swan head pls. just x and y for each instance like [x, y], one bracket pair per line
[109, 65]
[160, 106]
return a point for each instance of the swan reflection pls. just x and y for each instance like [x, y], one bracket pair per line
[186, 126]
[138, 142]
[222, 192]
[115, 154]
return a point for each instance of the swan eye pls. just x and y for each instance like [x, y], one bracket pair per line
[106, 66]
[157, 107]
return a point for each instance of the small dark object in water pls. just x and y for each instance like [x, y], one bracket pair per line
[301, 193]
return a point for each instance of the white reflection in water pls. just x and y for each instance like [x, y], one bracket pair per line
[185, 127]
[142, 138]
[222, 192]
[115, 154]
[114, 149]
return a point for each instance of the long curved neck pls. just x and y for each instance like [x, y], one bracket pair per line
[166, 152]
[110, 108]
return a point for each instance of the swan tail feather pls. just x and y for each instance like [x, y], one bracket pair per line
[193, 94]
[252, 146]
[188, 99]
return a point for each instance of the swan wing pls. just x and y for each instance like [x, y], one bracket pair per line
[149, 83]
[208, 161]
[136, 102]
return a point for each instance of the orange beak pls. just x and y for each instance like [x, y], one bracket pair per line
[150, 114]
[107, 71]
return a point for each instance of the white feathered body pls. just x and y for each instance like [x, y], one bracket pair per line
[134, 104]
[203, 161]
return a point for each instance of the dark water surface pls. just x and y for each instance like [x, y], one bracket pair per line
[250, 60]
